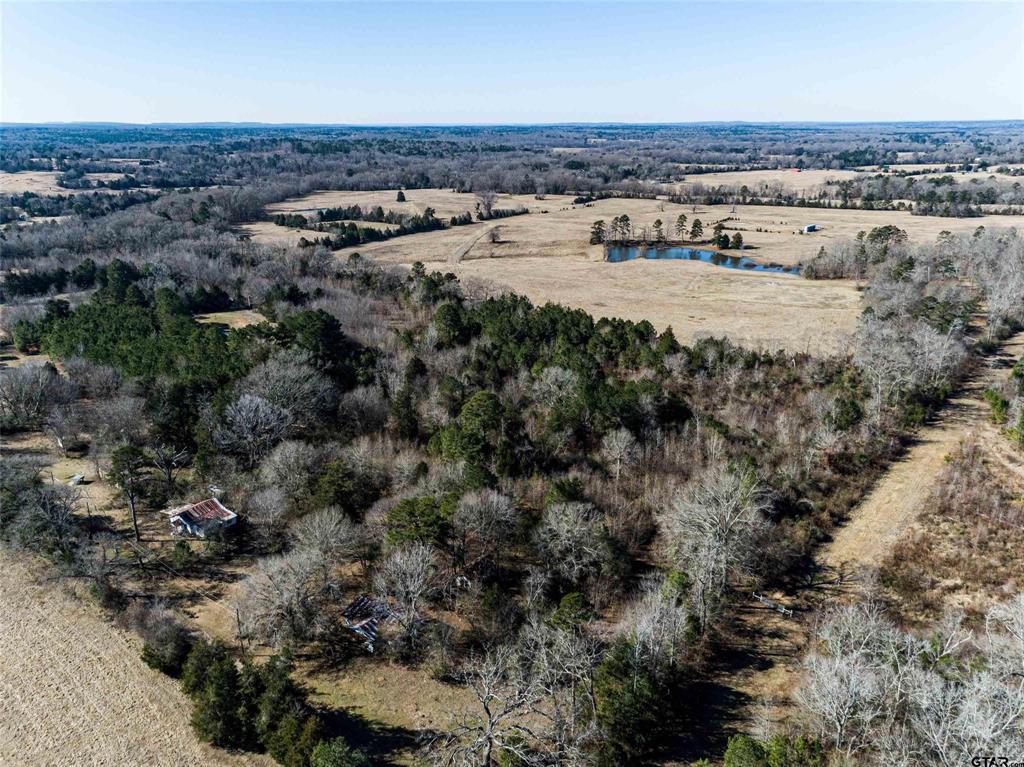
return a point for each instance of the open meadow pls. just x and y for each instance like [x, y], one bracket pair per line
[44, 182]
[697, 300]
[789, 179]
[807, 183]
[546, 255]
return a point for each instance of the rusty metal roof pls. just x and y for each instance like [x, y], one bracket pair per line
[206, 510]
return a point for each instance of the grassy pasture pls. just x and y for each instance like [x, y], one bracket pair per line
[44, 182]
[547, 256]
[788, 178]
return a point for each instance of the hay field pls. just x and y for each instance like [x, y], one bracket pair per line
[35, 221]
[564, 229]
[938, 167]
[35, 181]
[812, 180]
[73, 690]
[697, 300]
[547, 256]
[44, 182]
[787, 178]
[445, 202]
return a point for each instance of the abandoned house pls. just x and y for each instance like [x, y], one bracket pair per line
[201, 519]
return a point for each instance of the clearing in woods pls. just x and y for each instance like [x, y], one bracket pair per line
[44, 182]
[768, 646]
[239, 318]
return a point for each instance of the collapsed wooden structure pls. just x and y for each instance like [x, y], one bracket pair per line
[364, 616]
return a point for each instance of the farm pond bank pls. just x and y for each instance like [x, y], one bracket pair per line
[617, 254]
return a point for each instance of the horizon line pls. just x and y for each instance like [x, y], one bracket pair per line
[554, 124]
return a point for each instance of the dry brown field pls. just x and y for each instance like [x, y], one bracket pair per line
[44, 182]
[963, 177]
[12, 358]
[269, 233]
[445, 202]
[35, 221]
[391, 706]
[806, 181]
[547, 256]
[73, 690]
[556, 227]
[35, 181]
[929, 167]
[767, 311]
[788, 178]
[239, 318]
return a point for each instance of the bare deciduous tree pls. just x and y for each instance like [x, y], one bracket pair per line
[482, 520]
[1004, 637]
[711, 529]
[168, 459]
[115, 422]
[363, 410]
[266, 509]
[408, 576]
[291, 467]
[656, 625]
[252, 426]
[63, 425]
[938, 699]
[29, 392]
[619, 449]
[496, 728]
[333, 535]
[486, 198]
[290, 381]
[45, 518]
[554, 384]
[280, 601]
[99, 382]
[844, 696]
[571, 536]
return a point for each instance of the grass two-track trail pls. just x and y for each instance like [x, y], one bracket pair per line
[757, 673]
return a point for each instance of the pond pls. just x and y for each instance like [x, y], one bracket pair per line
[615, 254]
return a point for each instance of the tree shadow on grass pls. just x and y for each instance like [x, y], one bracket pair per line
[705, 723]
[383, 743]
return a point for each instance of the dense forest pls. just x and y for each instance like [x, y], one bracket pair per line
[556, 513]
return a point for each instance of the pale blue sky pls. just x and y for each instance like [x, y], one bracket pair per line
[526, 62]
